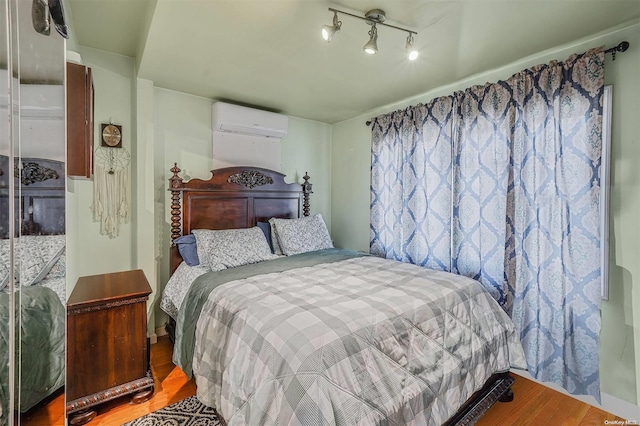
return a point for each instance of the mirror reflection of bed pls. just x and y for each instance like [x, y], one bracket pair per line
[32, 211]
[39, 277]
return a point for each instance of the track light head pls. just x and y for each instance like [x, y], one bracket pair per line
[412, 52]
[328, 31]
[372, 45]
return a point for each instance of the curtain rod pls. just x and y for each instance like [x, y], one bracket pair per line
[621, 47]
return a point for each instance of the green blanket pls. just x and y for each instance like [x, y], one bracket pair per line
[42, 337]
[203, 285]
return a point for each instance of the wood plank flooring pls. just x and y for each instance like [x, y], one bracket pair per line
[171, 385]
[533, 403]
[537, 405]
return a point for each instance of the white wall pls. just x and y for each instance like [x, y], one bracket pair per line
[144, 250]
[88, 252]
[620, 335]
[161, 127]
[182, 134]
[307, 149]
[42, 130]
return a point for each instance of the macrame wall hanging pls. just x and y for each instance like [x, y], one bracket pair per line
[111, 189]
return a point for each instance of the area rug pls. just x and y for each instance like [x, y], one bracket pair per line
[188, 412]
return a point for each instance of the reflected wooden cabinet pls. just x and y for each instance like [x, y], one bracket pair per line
[80, 94]
[107, 345]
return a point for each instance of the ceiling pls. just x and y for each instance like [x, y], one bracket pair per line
[270, 54]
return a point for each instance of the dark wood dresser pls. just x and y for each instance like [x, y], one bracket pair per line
[107, 345]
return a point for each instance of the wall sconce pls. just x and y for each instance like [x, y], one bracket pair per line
[373, 17]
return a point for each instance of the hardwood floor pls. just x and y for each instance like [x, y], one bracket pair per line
[171, 385]
[48, 412]
[533, 403]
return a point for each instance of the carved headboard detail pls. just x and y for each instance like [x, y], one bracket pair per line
[33, 172]
[250, 178]
[42, 196]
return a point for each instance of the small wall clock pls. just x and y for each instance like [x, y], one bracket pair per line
[111, 135]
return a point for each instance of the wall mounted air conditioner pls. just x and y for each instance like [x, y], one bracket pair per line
[229, 118]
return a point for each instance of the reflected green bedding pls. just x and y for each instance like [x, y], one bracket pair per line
[42, 337]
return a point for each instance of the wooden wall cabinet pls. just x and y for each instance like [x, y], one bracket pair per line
[80, 94]
[107, 345]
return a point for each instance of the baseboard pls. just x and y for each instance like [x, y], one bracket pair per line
[610, 403]
[153, 339]
[161, 331]
[620, 407]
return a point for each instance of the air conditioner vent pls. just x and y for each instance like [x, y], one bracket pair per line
[229, 118]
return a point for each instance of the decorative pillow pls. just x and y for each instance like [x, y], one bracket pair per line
[4, 263]
[274, 239]
[266, 230]
[59, 269]
[229, 248]
[302, 235]
[36, 255]
[188, 249]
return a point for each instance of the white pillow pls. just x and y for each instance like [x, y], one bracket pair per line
[4, 262]
[37, 254]
[228, 248]
[302, 235]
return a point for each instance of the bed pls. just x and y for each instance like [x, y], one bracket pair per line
[320, 335]
[39, 275]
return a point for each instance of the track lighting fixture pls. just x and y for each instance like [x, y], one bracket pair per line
[372, 45]
[373, 17]
[412, 52]
[328, 31]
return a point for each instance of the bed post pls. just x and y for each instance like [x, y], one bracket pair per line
[175, 184]
[306, 192]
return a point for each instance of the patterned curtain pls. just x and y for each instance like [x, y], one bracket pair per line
[553, 219]
[523, 185]
[482, 139]
[411, 185]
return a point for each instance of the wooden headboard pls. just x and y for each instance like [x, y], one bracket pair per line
[234, 197]
[39, 193]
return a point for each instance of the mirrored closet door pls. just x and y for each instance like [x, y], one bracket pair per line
[7, 316]
[32, 207]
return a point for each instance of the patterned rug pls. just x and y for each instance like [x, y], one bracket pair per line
[188, 412]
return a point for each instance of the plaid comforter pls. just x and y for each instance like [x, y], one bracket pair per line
[361, 341]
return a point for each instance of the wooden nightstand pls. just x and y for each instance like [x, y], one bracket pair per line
[107, 345]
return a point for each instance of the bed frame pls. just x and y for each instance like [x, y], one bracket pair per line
[240, 197]
[234, 197]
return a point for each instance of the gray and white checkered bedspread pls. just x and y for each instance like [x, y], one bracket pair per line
[362, 341]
